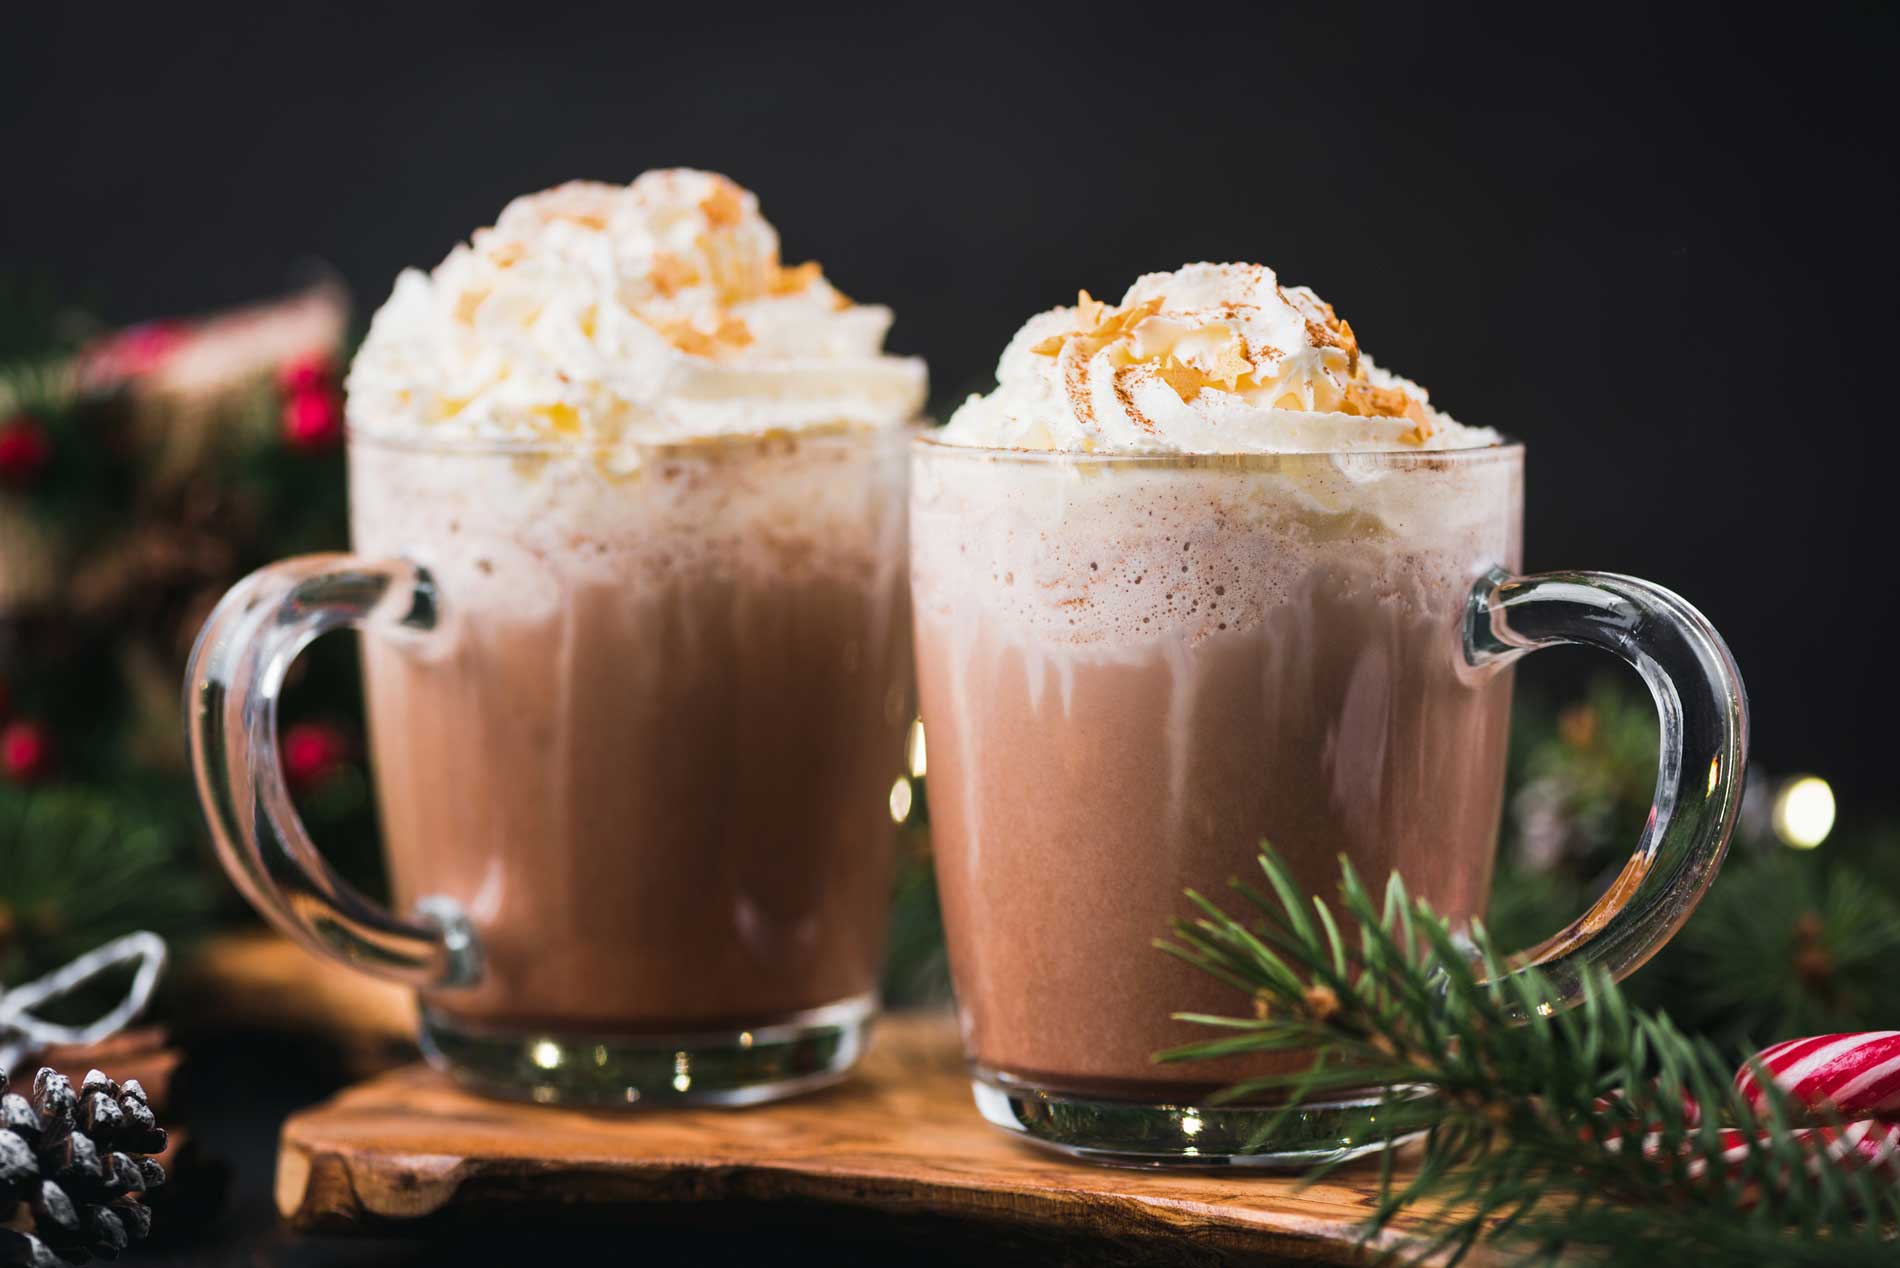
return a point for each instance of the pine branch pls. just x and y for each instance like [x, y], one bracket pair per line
[1788, 944]
[1599, 1128]
[80, 868]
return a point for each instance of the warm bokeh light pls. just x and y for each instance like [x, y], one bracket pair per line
[1804, 812]
[900, 800]
[546, 1054]
[914, 754]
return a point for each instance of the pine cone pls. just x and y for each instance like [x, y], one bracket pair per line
[77, 1160]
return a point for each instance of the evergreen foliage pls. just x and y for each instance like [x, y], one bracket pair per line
[1604, 1130]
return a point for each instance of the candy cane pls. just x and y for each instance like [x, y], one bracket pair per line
[1850, 1076]
[1867, 1143]
[1854, 1078]
[1691, 1113]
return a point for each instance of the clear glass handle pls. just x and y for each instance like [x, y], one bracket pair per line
[1704, 714]
[231, 688]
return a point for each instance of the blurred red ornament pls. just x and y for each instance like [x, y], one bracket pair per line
[25, 449]
[313, 421]
[26, 751]
[306, 375]
[313, 751]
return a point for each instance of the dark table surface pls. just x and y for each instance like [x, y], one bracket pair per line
[235, 1091]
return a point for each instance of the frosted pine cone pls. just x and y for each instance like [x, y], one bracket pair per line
[76, 1160]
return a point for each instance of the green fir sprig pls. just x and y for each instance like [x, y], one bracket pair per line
[1571, 1132]
[79, 866]
[1788, 943]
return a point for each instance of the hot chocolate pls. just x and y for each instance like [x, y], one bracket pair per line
[649, 745]
[1193, 577]
[1132, 672]
[656, 476]
[628, 497]
[1197, 574]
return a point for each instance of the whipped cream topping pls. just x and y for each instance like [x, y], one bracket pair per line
[1212, 358]
[612, 315]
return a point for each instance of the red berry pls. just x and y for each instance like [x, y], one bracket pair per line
[313, 751]
[26, 751]
[306, 375]
[313, 421]
[25, 449]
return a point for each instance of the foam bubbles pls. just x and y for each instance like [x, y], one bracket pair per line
[512, 536]
[1107, 558]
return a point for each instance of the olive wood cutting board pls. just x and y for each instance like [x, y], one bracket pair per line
[900, 1138]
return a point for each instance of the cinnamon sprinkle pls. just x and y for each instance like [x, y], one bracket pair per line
[1075, 379]
[1126, 396]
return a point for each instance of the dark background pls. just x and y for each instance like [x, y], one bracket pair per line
[1657, 246]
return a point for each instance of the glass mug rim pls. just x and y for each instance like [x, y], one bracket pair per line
[1509, 449]
[827, 435]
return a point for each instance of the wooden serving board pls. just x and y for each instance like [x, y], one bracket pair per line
[901, 1138]
[259, 979]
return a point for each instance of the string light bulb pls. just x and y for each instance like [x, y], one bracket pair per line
[1804, 812]
[914, 752]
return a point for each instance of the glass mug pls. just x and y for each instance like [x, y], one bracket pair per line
[1133, 669]
[633, 728]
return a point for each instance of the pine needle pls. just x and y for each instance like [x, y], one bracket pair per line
[1557, 1134]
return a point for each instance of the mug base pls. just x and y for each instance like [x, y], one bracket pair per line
[809, 1050]
[1129, 1134]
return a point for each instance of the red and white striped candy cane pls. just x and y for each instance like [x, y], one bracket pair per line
[1866, 1143]
[1691, 1113]
[1853, 1076]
